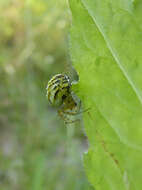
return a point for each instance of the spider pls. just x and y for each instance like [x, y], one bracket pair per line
[59, 94]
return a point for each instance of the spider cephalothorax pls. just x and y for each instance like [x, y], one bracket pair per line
[59, 94]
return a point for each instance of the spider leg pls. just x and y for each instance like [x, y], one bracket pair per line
[64, 114]
[73, 121]
[75, 112]
[70, 113]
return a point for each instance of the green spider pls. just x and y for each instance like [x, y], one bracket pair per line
[59, 94]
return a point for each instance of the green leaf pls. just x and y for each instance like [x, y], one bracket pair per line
[106, 51]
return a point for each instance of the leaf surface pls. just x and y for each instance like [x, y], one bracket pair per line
[106, 51]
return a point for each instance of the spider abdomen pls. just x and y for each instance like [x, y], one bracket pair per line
[58, 89]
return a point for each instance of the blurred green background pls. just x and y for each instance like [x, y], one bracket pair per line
[36, 150]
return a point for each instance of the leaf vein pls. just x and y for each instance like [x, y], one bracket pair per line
[114, 55]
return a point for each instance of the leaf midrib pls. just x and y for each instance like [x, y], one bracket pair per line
[112, 51]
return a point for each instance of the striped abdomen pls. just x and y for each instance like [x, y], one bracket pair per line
[58, 89]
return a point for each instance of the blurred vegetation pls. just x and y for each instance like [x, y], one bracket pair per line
[35, 150]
